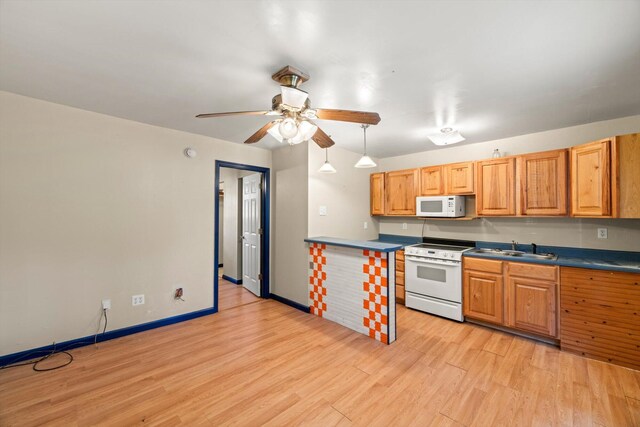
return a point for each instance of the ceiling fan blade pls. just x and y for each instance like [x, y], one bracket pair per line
[322, 139]
[363, 117]
[234, 113]
[260, 133]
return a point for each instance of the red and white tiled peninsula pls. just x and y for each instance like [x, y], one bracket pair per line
[352, 282]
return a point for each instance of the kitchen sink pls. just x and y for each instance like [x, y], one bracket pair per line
[535, 256]
[515, 254]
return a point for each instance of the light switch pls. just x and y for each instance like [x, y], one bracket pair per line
[323, 211]
[404, 225]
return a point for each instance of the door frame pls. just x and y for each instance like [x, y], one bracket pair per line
[264, 217]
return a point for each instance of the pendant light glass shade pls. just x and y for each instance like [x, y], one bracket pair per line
[365, 161]
[327, 167]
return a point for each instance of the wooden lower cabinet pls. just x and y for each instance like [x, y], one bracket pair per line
[483, 296]
[532, 306]
[400, 277]
[520, 296]
[600, 315]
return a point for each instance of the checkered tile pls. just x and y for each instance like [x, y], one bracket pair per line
[376, 301]
[317, 291]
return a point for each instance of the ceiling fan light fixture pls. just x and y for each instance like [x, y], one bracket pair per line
[327, 167]
[365, 161]
[447, 136]
[306, 130]
[288, 128]
[293, 97]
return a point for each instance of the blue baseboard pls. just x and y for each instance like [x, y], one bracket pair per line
[290, 303]
[232, 280]
[10, 359]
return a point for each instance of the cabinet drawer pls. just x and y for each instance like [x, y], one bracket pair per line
[400, 266]
[533, 271]
[486, 265]
[400, 278]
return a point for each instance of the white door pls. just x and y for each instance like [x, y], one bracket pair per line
[251, 232]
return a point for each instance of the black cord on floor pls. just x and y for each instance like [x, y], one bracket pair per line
[34, 363]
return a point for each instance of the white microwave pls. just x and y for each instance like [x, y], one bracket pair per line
[440, 206]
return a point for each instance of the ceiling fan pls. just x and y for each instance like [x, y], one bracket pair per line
[293, 109]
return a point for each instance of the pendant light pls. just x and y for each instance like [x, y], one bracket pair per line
[327, 167]
[365, 161]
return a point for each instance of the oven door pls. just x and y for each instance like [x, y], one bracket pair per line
[434, 278]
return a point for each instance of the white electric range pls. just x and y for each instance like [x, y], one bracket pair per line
[433, 278]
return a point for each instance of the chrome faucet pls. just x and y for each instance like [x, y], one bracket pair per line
[514, 245]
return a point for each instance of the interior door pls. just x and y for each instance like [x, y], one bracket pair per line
[251, 232]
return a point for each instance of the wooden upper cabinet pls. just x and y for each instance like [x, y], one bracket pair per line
[459, 178]
[542, 183]
[431, 181]
[376, 198]
[626, 182]
[495, 193]
[401, 188]
[591, 179]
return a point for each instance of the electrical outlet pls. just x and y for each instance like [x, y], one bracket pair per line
[137, 300]
[404, 225]
[323, 211]
[106, 304]
[602, 233]
[366, 225]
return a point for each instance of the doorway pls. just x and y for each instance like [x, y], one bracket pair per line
[241, 242]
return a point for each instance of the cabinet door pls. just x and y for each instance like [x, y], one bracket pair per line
[376, 185]
[591, 179]
[543, 183]
[532, 305]
[483, 296]
[431, 181]
[459, 178]
[495, 194]
[401, 188]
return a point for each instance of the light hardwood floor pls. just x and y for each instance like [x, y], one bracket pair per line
[231, 295]
[266, 363]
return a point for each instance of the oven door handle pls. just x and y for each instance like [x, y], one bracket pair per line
[433, 261]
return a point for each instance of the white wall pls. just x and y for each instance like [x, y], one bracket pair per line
[624, 234]
[345, 194]
[290, 192]
[93, 207]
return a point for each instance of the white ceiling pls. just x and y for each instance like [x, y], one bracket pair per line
[491, 69]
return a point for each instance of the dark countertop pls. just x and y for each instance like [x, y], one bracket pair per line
[398, 240]
[569, 257]
[356, 244]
